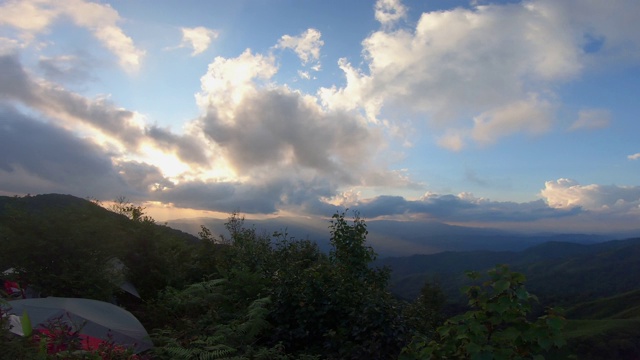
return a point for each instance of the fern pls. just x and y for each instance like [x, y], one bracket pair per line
[255, 318]
[199, 349]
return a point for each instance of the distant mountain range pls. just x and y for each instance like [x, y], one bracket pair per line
[556, 271]
[402, 238]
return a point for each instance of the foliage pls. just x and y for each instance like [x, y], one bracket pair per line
[208, 322]
[122, 206]
[425, 313]
[13, 347]
[496, 327]
[61, 252]
[336, 306]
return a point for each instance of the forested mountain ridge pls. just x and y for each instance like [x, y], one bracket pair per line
[70, 240]
[554, 269]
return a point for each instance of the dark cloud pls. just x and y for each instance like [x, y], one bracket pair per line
[187, 148]
[222, 196]
[67, 69]
[14, 83]
[56, 102]
[277, 127]
[143, 177]
[37, 157]
[456, 208]
[257, 197]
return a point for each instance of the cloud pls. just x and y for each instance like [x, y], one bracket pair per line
[65, 68]
[454, 208]
[283, 148]
[228, 81]
[307, 46]
[592, 119]
[32, 17]
[266, 127]
[265, 196]
[482, 73]
[389, 11]
[279, 128]
[199, 38]
[69, 108]
[188, 147]
[143, 177]
[567, 193]
[304, 75]
[453, 140]
[635, 156]
[37, 157]
[530, 115]
[117, 128]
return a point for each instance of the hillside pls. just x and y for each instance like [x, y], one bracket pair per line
[62, 245]
[556, 271]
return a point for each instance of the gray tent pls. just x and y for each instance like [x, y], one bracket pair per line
[99, 319]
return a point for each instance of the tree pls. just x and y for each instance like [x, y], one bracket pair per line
[425, 314]
[496, 327]
[124, 207]
[336, 306]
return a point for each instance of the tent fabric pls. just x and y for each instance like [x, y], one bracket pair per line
[118, 266]
[97, 319]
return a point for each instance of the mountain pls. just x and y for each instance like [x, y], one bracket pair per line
[45, 204]
[64, 246]
[556, 271]
[399, 238]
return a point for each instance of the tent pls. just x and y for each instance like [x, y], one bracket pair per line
[13, 288]
[96, 319]
[118, 266]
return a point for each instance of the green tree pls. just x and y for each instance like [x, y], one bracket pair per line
[336, 306]
[496, 327]
[425, 314]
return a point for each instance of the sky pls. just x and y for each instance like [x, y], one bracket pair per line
[508, 114]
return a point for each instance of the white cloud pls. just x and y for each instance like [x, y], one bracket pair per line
[453, 140]
[389, 11]
[199, 38]
[592, 119]
[490, 71]
[228, 81]
[567, 193]
[352, 96]
[531, 115]
[282, 140]
[28, 16]
[263, 127]
[304, 75]
[635, 156]
[307, 46]
[32, 17]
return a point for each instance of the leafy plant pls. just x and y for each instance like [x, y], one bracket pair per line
[496, 327]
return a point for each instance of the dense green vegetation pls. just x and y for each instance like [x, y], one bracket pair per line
[598, 284]
[250, 295]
